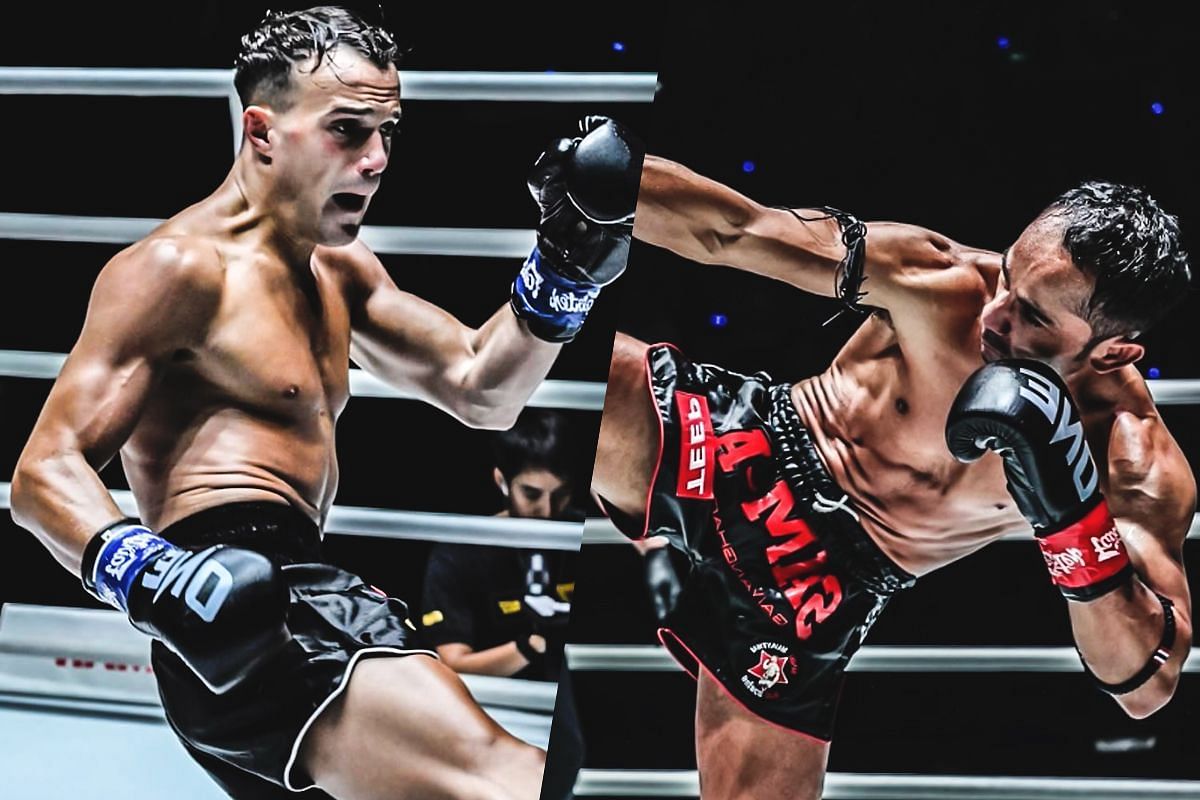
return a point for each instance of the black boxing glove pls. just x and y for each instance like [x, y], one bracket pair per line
[662, 581]
[586, 189]
[1023, 410]
[222, 609]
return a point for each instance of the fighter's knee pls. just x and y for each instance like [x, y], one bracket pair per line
[628, 358]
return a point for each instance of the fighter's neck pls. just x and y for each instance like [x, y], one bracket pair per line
[252, 211]
[1102, 391]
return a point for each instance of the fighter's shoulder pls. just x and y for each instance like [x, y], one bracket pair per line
[182, 262]
[1144, 459]
[918, 260]
[353, 264]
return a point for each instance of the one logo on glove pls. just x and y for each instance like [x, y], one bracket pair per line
[1046, 397]
[203, 582]
[530, 276]
[770, 671]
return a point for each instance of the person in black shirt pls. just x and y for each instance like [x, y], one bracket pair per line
[492, 610]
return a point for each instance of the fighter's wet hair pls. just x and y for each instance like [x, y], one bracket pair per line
[539, 440]
[1133, 249]
[263, 67]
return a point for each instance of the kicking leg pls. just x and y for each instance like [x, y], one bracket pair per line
[742, 756]
[627, 451]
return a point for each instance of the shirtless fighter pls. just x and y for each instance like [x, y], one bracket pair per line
[805, 507]
[214, 357]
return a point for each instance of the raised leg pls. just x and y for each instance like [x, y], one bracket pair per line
[743, 757]
[628, 447]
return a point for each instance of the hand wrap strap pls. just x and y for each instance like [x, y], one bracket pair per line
[553, 306]
[114, 557]
[848, 277]
[1153, 664]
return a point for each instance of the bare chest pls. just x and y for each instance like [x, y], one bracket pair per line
[279, 346]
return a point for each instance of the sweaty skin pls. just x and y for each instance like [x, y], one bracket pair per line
[214, 356]
[878, 417]
[215, 359]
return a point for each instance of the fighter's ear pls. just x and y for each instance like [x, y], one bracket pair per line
[1114, 353]
[257, 123]
[501, 484]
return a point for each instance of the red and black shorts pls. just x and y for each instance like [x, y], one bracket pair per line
[784, 582]
[248, 738]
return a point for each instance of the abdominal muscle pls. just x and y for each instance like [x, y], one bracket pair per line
[229, 455]
[920, 506]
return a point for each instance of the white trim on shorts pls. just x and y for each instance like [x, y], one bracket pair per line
[291, 762]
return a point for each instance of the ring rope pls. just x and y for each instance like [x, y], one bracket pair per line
[881, 786]
[576, 395]
[580, 395]
[394, 240]
[418, 526]
[536, 87]
[104, 636]
[871, 658]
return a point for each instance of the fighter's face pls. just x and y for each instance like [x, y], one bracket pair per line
[538, 494]
[334, 141]
[1040, 299]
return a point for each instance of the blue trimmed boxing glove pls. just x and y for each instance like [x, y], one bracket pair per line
[586, 188]
[222, 610]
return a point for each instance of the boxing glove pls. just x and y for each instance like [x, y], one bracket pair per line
[1022, 410]
[586, 190]
[222, 609]
[661, 581]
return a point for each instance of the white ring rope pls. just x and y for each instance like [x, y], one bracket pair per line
[535, 87]
[871, 658]
[577, 395]
[84, 660]
[868, 786]
[420, 526]
[394, 240]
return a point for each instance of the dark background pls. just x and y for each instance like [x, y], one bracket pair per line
[913, 112]
[456, 164]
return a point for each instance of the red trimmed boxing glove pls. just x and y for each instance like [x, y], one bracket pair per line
[1023, 411]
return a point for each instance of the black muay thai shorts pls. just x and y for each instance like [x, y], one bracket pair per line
[784, 582]
[249, 737]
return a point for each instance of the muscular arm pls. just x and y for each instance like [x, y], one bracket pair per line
[1152, 495]
[148, 302]
[483, 376]
[907, 267]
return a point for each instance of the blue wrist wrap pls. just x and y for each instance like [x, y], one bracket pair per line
[123, 555]
[554, 306]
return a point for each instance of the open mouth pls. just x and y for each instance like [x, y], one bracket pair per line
[349, 202]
